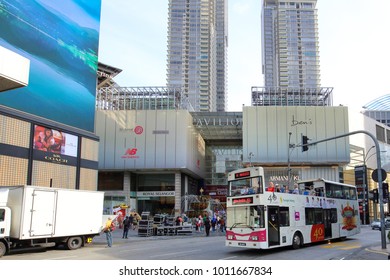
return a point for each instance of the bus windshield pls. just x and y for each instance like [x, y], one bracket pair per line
[246, 186]
[247, 217]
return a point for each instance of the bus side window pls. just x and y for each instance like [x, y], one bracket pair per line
[333, 215]
[353, 193]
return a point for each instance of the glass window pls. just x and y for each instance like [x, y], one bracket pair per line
[156, 182]
[112, 181]
[380, 133]
[314, 216]
[333, 215]
[246, 186]
[284, 216]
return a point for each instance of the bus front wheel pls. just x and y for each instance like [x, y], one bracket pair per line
[297, 241]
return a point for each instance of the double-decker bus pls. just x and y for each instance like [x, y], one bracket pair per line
[262, 217]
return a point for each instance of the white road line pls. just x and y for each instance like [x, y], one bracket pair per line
[228, 258]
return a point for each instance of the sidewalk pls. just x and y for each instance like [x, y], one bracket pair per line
[378, 249]
[133, 236]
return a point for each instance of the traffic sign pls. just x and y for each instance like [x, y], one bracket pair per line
[375, 175]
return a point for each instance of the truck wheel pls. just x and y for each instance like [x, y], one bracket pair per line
[74, 243]
[3, 249]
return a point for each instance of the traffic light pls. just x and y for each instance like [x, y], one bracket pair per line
[304, 143]
[385, 188]
[376, 196]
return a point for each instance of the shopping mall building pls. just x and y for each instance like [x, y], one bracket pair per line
[154, 153]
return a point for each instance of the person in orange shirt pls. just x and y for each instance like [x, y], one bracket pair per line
[107, 231]
[271, 187]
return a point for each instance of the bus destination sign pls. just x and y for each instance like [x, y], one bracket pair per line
[242, 200]
[242, 174]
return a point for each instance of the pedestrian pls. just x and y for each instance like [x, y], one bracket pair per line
[107, 231]
[207, 225]
[135, 221]
[131, 219]
[126, 227]
[221, 224]
[213, 223]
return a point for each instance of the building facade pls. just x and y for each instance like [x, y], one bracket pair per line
[379, 109]
[196, 60]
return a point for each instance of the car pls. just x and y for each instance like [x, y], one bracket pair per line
[377, 224]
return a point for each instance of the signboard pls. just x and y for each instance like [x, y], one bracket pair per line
[155, 193]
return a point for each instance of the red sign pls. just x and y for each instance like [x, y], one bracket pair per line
[317, 233]
[242, 174]
[130, 153]
[242, 200]
[138, 129]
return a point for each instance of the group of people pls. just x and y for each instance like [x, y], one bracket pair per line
[215, 223]
[130, 222]
[201, 223]
[282, 188]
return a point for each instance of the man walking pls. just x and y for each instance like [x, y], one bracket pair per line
[126, 227]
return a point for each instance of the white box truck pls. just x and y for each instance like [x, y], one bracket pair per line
[42, 216]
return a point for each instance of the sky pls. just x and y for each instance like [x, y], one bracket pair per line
[354, 45]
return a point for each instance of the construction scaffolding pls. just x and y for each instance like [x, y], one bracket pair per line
[141, 98]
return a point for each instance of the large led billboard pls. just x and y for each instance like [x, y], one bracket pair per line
[54, 141]
[60, 38]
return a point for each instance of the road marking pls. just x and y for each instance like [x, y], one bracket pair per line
[233, 257]
[379, 252]
[342, 246]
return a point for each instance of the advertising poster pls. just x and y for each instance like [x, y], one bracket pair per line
[60, 38]
[54, 141]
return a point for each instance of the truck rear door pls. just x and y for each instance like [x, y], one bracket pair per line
[43, 213]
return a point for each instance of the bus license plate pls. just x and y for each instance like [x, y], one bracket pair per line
[241, 244]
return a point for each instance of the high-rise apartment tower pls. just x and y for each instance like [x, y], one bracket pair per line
[197, 52]
[290, 56]
[290, 48]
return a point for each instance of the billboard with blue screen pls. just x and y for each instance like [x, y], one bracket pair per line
[60, 38]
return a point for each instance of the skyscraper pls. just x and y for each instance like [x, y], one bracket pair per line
[196, 60]
[290, 54]
[290, 44]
